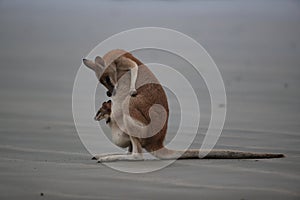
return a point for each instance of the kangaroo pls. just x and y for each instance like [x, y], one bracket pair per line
[135, 91]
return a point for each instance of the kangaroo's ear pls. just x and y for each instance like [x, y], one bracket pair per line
[97, 68]
[90, 64]
[100, 61]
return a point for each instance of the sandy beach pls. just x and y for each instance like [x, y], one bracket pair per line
[256, 46]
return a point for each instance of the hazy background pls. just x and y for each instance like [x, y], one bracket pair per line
[255, 44]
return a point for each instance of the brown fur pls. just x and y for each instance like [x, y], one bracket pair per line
[139, 110]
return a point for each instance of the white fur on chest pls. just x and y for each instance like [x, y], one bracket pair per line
[120, 97]
[119, 136]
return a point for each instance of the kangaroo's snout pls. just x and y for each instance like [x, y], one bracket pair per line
[108, 93]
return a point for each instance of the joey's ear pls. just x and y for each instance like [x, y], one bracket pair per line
[109, 104]
[100, 61]
[97, 68]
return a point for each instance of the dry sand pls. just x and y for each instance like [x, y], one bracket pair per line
[256, 45]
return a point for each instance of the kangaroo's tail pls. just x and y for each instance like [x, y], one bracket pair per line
[165, 153]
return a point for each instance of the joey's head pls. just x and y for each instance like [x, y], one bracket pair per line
[104, 112]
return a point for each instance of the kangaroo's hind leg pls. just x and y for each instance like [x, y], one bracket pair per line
[134, 156]
[97, 156]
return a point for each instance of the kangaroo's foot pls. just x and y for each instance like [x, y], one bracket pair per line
[113, 158]
[97, 156]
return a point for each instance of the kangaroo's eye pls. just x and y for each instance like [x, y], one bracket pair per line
[107, 80]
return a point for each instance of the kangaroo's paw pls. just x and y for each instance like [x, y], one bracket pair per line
[133, 92]
[113, 158]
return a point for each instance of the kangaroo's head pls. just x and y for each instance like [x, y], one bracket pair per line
[111, 67]
[104, 112]
[105, 74]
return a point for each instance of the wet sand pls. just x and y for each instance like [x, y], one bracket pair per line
[256, 46]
